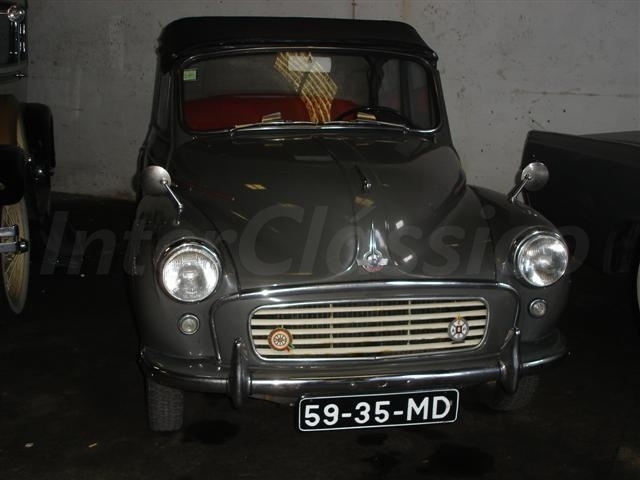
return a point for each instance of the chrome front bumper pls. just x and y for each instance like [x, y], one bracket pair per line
[240, 381]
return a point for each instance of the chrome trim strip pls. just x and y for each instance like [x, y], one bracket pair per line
[298, 290]
[554, 353]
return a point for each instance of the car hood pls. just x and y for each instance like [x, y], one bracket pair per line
[312, 209]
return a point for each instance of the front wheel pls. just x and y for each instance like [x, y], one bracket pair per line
[15, 266]
[507, 402]
[165, 406]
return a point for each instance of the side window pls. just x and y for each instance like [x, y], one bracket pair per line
[422, 106]
[409, 88]
[163, 109]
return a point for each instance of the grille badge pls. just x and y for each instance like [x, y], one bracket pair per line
[280, 340]
[458, 329]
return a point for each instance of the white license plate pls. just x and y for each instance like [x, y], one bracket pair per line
[377, 410]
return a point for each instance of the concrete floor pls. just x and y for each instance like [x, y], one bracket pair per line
[72, 401]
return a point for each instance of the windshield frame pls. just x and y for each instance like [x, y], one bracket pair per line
[247, 50]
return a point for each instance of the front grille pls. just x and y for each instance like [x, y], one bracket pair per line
[365, 328]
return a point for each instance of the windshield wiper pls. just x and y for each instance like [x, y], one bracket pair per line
[360, 122]
[278, 123]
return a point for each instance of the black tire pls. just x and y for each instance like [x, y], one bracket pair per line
[165, 407]
[507, 402]
[38, 125]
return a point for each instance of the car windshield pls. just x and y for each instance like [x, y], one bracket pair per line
[307, 86]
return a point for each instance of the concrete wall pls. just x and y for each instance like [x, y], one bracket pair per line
[507, 67]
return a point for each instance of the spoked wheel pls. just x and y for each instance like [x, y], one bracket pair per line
[15, 266]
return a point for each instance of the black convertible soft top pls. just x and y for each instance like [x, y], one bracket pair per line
[187, 35]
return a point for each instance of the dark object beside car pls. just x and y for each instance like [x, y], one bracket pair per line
[27, 161]
[593, 195]
[306, 232]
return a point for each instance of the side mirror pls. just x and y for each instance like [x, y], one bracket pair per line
[534, 177]
[156, 181]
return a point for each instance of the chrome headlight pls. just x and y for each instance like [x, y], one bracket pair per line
[190, 272]
[541, 258]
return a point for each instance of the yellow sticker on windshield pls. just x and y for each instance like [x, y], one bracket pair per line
[190, 75]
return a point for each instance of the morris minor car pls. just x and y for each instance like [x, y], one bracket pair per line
[305, 233]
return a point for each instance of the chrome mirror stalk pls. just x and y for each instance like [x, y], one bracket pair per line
[179, 204]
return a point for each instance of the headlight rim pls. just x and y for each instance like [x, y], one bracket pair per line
[519, 244]
[172, 250]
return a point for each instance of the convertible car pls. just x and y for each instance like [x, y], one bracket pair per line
[27, 161]
[305, 233]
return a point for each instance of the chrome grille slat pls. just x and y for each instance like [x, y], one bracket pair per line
[390, 338]
[412, 306]
[400, 349]
[368, 328]
[415, 327]
[258, 320]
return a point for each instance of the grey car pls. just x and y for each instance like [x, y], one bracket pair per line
[305, 233]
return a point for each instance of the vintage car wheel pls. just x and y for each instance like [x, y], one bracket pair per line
[165, 406]
[15, 266]
[506, 402]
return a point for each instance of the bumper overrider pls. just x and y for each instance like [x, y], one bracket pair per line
[239, 380]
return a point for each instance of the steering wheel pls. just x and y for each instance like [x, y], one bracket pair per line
[377, 110]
